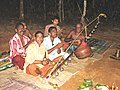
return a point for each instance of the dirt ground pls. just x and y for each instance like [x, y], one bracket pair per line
[105, 71]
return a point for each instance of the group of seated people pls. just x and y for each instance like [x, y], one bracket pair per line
[37, 54]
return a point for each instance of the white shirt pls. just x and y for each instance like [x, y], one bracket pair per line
[48, 44]
[35, 52]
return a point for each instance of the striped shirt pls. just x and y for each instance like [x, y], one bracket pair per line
[16, 47]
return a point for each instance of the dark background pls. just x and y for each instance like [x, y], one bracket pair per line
[34, 9]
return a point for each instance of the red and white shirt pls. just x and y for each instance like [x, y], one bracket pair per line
[16, 47]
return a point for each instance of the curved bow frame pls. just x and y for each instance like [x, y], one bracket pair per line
[97, 18]
[85, 27]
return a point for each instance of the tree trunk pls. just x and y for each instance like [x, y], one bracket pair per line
[83, 21]
[56, 7]
[44, 10]
[84, 11]
[21, 10]
[63, 17]
[60, 16]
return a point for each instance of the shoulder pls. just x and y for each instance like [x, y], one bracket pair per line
[71, 32]
[31, 46]
[25, 37]
[58, 27]
[46, 39]
[49, 25]
[43, 45]
[57, 39]
[14, 37]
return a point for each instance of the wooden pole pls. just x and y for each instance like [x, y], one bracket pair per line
[21, 10]
[63, 17]
[83, 21]
[84, 14]
[44, 10]
[60, 2]
[84, 11]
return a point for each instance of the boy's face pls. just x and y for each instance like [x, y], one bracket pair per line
[53, 33]
[55, 21]
[39, 38]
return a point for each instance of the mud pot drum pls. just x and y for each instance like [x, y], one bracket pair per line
[83, 52]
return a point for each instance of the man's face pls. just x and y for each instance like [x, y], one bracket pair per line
[55, 21]
[20, 30]
[53, 33]
[78, 27]
[39, 38]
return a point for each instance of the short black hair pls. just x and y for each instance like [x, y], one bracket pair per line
[55, 17]
[80, 23]
[18, 24]
[38, 33]
[51, 28]
[22, 21]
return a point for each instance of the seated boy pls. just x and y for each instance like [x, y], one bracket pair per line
[36, 61]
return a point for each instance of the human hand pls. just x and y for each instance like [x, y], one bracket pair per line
[60, 31]
[45, 62]
[32, 38]
[59, 51]
[78, 42]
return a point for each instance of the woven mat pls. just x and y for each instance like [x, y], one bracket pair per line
[12, 79]
[5, 63]
[99, 46]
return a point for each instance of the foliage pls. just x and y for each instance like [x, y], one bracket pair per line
[88, 83]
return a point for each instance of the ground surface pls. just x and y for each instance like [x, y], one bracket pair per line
[105, 71]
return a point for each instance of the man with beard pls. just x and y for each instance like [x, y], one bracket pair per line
[80, 47]
[74, 33]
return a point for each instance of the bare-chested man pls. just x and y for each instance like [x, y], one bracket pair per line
[74, 33]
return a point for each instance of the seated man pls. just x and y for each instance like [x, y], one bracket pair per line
[74, 33]
[26, 31]
[81, 49]
[18, 44]
[54, 24]
[36, 61]
[53, 44]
